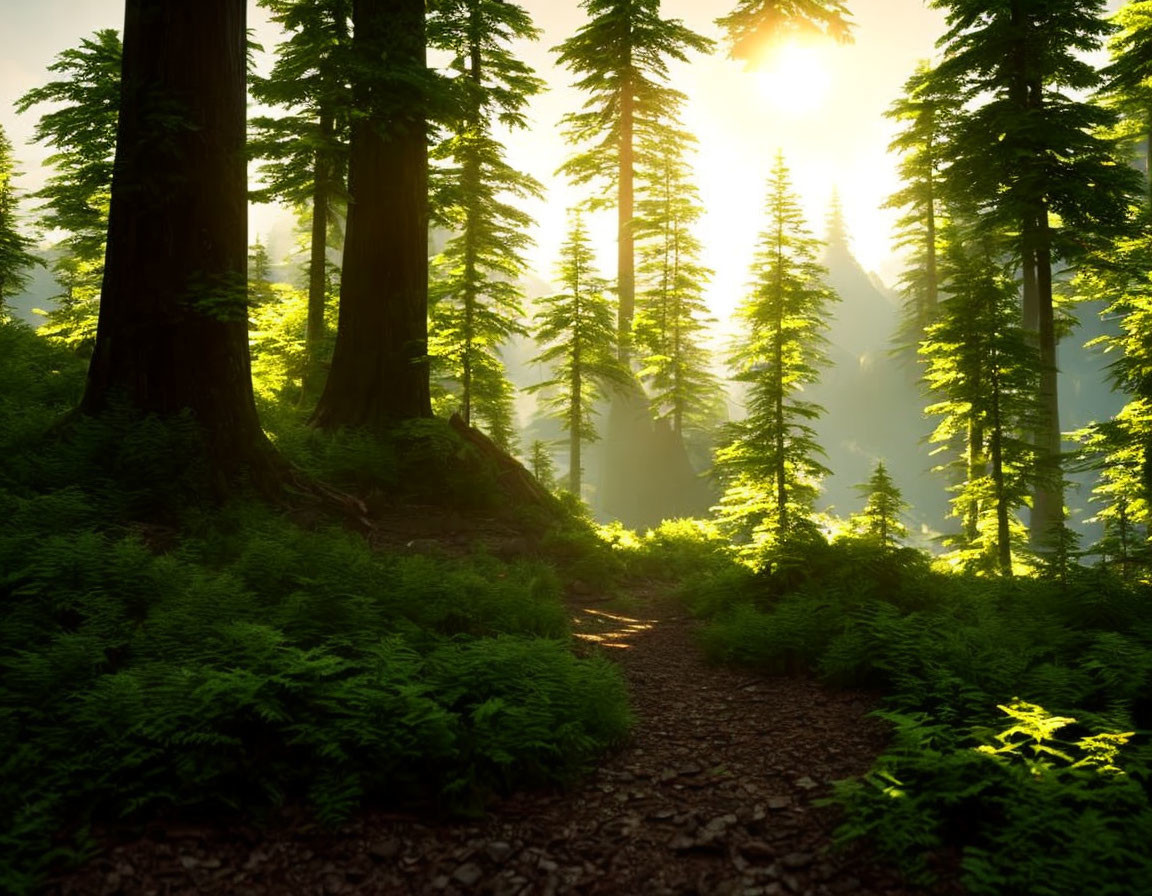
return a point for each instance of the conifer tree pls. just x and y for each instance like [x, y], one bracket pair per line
[476, 297]
[1030, 155]
[672, 316]
[173, 330]
[15, 255]
[923, 112]
[883, 507]
[755, 24]
[379, 372]
[576, 328]
[542, 465]
[981, 370]
[770, 465]
[1127, 84]
[80, 128]
[304, 152]
[621, 58]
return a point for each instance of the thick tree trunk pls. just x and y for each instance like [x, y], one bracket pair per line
[379, 372]
[173, 328]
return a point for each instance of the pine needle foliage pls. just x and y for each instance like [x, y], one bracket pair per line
[981, 371]
[754, 25]
[1127, 87]
[883, 508]
[770, 464]
[81, 131]
[477, 300]
[671, 313]
[16, 258]
[576, 327]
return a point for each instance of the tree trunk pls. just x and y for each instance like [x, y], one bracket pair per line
[576, 423]
[976, 469]
[1048, 501]
[1003, 532]
[318, 259]
[173, 328]
[626, 262]
[379, 372]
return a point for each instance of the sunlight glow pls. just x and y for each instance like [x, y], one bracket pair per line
[795, 79]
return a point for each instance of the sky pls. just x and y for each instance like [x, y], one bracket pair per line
[823, 107]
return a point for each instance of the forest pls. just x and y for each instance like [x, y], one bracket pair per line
[475, 529]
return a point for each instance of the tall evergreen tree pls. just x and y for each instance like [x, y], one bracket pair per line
[576, 328]
[672, 316]
[304, 152]
[173, 331]
[15, 255]
[981, 371]
[621, 59]
[755, 24]
[379, 372]
[923, 112]
[477, 299]
[1127, 86]
[1030, 155]
[80, 128]
[770, 464]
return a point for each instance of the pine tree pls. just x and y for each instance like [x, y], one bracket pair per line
[379, 372]
[621, 59]
[542, 465]
[173, 331]
[1030, 156]
[576, 328]
[755, 24]
[476, 296]
[981, 370]
[15, 255]
[304, 152]
[923, 111]
[770, 464]
[80, 128]
[883, 507]
[672, 316]
[1127, 84]
[259, 273]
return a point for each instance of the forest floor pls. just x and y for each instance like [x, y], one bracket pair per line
[715, 793]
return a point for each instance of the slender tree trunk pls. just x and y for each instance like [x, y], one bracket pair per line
[1003, 533]
[379, 369]
[1048, 500]
[778, 385]
[932, 288]
[318, 258]
[626, 262]
[173, 328]
[471, 179]
[577, 423]
[976, 467]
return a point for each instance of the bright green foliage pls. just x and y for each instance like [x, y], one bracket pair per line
[1121, 449]
[15, 257]
[981, 370]
[259, 274]
[304, 151]
[922, 112]
[280, 357]
[671, 313]
[1035, 811]
[542, 465]
[884, 505]
[576, 328]
[475, 294]
[82, 136]
[754, 25]
[1128, 80]
[1029, 154]
[769, 465]
[230, 659]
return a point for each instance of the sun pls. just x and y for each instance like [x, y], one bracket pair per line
[795, 79]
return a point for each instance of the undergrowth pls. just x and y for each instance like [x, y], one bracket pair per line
[203, 658]
[1020, 709]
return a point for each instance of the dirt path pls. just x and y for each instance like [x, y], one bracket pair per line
[713, 795]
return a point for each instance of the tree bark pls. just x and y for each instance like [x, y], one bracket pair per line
[318, 259]
[173, 327]
[1048, 500]
[379, 372]
[626, 262]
